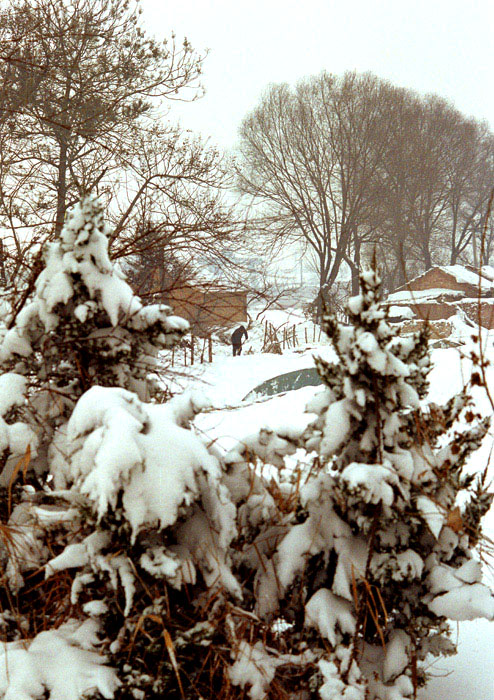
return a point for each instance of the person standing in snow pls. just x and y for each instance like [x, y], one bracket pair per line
[237, 337]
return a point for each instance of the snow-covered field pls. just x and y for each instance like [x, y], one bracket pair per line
[227, 380]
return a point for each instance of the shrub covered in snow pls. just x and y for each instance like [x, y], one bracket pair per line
[149, 565]
[79, 362]
[81, 326]
[366, 560]
[125, 524]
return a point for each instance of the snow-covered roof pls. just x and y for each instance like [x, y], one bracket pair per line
[421, 295]
[487, 271]
[470, 300]
[463, 275]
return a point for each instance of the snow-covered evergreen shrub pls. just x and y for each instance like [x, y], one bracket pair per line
[155, 526]
[366, 565]
[139, 510]
[82, 326]
[131, 522]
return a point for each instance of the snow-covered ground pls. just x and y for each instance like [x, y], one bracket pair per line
[227, 380]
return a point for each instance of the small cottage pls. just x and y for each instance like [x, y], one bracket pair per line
[207, 307]
[437, 295]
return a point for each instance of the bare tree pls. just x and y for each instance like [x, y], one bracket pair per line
[471, 178]
[87, 95]
[80, 81]
[309, 155]
[354, 165]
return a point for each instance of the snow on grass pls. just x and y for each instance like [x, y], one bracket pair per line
[62, 662]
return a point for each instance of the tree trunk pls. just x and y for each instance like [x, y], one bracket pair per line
[323, 286]
[61, 185]
[402, 265]
[427, 258]
[355, 269]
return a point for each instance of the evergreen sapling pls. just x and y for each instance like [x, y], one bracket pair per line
[379, 552]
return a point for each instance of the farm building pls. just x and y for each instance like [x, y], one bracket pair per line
[206, 307]
[437, 295]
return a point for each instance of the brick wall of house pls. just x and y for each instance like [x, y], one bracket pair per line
[433, 311]
[486, 313]
[208, 309]
[437, 329]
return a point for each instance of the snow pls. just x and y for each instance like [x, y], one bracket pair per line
[227, 380]
[411, 296]
[119, 446]
[373, 482]
[466, 602]
[62, 661]
[469, 674]
[173, 563]
[434, 518]
[488, 272]
[401, 311]
[461, 595]
[253, 667]
[300, 541]
[338, 423]
[465, 276]
[256, 668]
[396, 657]
[334, 688]
[12, 390]
[329, 613]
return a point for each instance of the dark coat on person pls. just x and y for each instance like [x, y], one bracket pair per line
[238, 335]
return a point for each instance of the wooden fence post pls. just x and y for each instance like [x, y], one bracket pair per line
[191, 349]
[210, 348]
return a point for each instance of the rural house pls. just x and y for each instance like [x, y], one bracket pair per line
[206, 304]
[208, 307]
[440, 292]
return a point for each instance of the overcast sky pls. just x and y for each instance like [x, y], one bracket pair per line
[440, 46]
